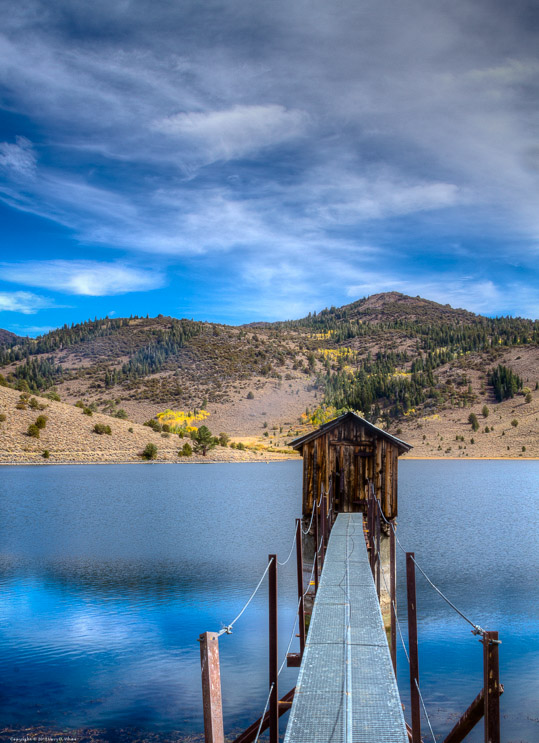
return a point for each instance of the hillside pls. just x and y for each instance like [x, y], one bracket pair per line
[411, 365]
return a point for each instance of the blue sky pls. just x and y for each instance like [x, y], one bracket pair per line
[244, 160]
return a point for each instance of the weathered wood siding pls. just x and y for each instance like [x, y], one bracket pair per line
[350, 455]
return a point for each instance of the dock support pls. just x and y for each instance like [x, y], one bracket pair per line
[393, 597]
[491, 687]
[301, 597]
[273, 650]
[412, 648]
[316, 542]
[378, 556]
[211, 688]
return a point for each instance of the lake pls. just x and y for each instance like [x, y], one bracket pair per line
[109, 574]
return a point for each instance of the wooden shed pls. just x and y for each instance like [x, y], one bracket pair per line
[346, 454]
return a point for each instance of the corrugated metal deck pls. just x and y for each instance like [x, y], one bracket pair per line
[346, 690]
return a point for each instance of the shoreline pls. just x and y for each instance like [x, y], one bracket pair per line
[266, 460]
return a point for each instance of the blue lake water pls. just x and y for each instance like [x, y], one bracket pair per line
[108, 574]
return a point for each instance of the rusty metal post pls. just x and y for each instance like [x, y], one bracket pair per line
[316, 537]
[324, 528]
[273, 650]
[301, 597]
[412, 648]
[211, 688]
[369, 530]
[378, 555]
[491, 687]
[393, 596]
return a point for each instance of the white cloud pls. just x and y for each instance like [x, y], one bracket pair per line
[86, 278]
[237, 131]
[18, 158]
[24, 302]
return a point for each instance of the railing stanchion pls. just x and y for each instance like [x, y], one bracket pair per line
[491, 687]
[393, 597]
[273, 650]
[378, 555]
[301, 597]
[324, 527]
[412, 648]
[211, 688]
[369, 530]
[316, 537]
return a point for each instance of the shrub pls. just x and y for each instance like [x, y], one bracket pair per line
[87, 411]
[485, 411]
[33, 403]
[523, 448]
[21, 405]
[472, 420]
[130, 430]
[528, 397]
[41, 421]
[241, 446]
[79, 404]
[186, 450]
[250, 395]
[53, 395]
[154, 425]
[121, 414]
[101, 428]
[224, 438]
[46, 454]
[2, 417]
[514, 423]
[33, 431]
[150, 451]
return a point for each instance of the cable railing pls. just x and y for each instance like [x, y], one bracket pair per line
[321, 520]
[486, 704]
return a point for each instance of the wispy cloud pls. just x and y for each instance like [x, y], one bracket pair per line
[18, 158]
[85, 278]
[282, 136]
[235, 132]
[24, 302]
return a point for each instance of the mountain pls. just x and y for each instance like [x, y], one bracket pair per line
[414, 366]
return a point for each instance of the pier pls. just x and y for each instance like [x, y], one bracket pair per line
[346, 690]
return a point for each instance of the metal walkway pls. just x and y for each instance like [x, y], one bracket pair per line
[346, 690]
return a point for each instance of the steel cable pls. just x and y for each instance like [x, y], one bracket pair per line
[263, 714]
[227, 629]
[424, 710]
[290, 641]
[477, 630]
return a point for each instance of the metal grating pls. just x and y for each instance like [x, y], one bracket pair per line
[346, 690]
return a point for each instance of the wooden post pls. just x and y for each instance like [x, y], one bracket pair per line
[316, 537]
[301, 597]
[491, 687]
[211, 688]
[393, 596]
[412, 648]
[273, 650]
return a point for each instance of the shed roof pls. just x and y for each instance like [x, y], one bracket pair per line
[402, 445]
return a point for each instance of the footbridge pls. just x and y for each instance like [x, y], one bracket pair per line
[346, 690]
